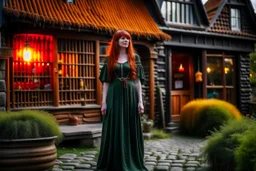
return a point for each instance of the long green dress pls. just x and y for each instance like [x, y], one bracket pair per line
[122, 146]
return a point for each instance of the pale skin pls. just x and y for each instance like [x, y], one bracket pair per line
[123, 44]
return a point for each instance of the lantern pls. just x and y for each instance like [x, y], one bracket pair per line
[27, 52]
[198, 76]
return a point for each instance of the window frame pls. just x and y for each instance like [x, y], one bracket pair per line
[178, 12]
[223, 85]
[236, 19]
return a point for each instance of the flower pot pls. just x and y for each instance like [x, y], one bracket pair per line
[147, 127]
[27, 154]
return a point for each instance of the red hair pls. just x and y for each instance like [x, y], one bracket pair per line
[113, 54]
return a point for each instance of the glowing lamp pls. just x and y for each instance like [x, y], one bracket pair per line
[208, 70]
[198, 76]
[27, 52]
[181, 69]
[226, 70]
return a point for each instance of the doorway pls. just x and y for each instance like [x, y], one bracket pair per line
[182, 82]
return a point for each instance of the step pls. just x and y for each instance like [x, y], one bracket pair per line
[84, 134]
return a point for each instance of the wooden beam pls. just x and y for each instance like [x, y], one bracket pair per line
[204, 60]
[55, 73]
[153, 56]
[8, 84]
[97, 73]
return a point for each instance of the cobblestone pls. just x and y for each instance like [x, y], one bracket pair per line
[174, 154]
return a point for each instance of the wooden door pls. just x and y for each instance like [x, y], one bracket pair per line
[182, 81]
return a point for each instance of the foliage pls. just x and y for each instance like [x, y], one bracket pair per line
[210, 118]
[245, 154]
[253, 67]
[146, 124]
[207, 114]
[28, 124]
[159, 134]
[221, 145]
[73, 150]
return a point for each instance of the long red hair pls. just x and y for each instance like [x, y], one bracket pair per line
[113, 54]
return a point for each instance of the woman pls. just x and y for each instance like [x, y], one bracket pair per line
[122, 147]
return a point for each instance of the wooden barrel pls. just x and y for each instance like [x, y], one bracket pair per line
[27, 154]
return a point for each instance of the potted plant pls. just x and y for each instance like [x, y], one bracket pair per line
[147, 124]
[27, 140]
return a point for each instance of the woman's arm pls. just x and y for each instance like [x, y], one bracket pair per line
[104, 98]
[139, 91]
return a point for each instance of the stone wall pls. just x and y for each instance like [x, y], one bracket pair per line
[2, 85]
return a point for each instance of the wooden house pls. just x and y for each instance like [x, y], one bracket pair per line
[51, 51]
[208, 55]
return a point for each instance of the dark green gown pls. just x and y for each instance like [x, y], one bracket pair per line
[122, 145]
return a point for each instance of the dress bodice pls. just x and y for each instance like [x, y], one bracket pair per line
[122, 70]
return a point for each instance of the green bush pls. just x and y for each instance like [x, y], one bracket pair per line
[199, 117]
[28, 124]
[245, 154]
[221, 145]
[209, 119]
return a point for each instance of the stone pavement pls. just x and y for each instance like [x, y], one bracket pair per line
[175, 154]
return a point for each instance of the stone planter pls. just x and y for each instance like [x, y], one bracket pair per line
[27, 154]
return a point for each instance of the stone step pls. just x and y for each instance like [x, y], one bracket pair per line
[84, 134]
[173, 124]
[172, 127]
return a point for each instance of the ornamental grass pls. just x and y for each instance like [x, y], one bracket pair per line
[201, 116]
[28, 124]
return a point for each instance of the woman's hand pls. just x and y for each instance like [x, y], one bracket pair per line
[104, 108]
[140, 108]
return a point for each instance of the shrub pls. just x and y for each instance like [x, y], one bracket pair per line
[245, 154]
[221, 145]
[210, 118]
[206, 114]
[28, 124]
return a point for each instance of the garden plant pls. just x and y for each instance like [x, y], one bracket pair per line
[232, 148]
[201, 116]
[28, 124]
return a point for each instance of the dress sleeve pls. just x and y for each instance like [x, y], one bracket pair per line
[139, 69]
[104, 71]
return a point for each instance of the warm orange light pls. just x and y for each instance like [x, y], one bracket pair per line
[208, 69]
[181, 69]
[198, 76]
[27, 54]
[226, 70]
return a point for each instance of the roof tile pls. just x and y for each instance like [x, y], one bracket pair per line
[108, 15]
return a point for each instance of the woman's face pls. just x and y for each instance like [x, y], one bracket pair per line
[123, 42]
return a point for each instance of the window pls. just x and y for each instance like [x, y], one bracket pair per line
[32, 71]
[69, 1]
[220, 77]
[180, 11]
[76, 72]
[235, 19]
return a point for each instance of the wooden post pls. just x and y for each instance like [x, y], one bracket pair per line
[204, 60]
[7, 70]
[153, 56]
[55, 73]
[97, 73]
